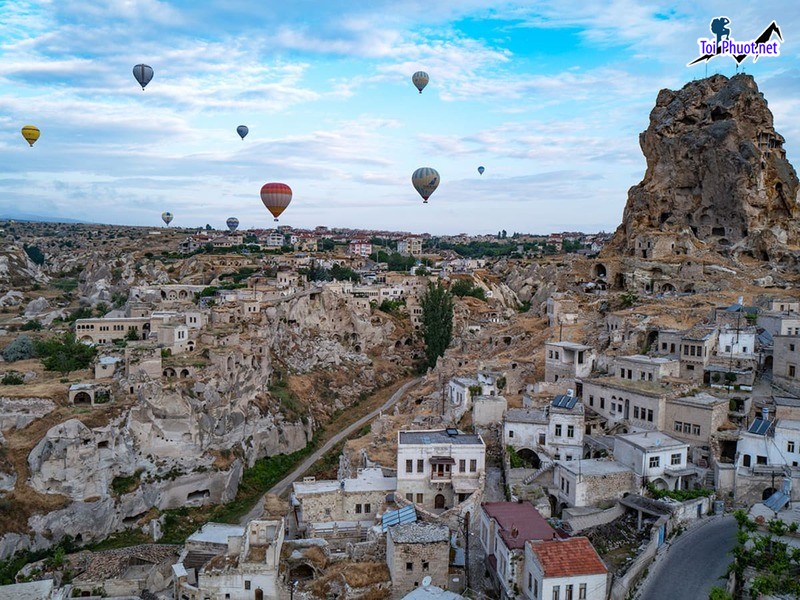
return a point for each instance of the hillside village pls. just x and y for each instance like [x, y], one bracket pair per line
[601, 393]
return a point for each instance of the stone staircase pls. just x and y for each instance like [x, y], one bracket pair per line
[544, 467]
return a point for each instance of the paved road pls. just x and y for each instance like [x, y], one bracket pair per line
[287, 481]
[693, 563]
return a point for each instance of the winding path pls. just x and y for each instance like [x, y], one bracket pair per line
[287, 481]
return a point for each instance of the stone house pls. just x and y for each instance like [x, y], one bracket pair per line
[786, 362]
[694, 419]
[655, 457]
[319, 505]
[438, 469]
[780, 323]
[567, 360]
[644, 368]
[505, 527]
[105, 367]
[633, 405]
[488, 410]
[415, 551]
[570, 566]
[410, 246]
[247, 568]
[593, 482]
[697, 347]
[668, 342]
[787, 407]
[105, 331]
[556, 431]
[769, 443]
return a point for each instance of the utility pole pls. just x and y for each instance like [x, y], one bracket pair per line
[466, 550]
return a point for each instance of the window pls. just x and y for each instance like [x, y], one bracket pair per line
[367, 508]
[591, 400]
[746, 460]
[542, 439]
[761, 460]
[690, 367]
[556, 592]
[613, 407]
[410, 497]
[530, 581]
[425, 565]
[582, 592]
[535, 588]
[511, 433]
[635, 412]
[790, 446]
[473, 465]
[420, 498]
[246, 584]
[727, 348]
[409, 566]
[792, 370]
[570, 431]
[650, 415]
[409, 466]
[568, 592]
[791, 347]
[622, 373]
[678, 426]
[695, 429]
[420, 465]
[358, 509]
[630, 374]
[675, 459]
[602, 402]
[462, 464]
[558, 429]
[655, 462]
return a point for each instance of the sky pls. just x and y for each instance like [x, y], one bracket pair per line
[550, 97]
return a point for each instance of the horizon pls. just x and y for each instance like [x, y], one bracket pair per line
[327, 95]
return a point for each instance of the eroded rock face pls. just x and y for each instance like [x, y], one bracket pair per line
[717, 177]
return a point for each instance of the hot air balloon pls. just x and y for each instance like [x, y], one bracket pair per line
[143, 74]
[276, 197]
[30, 133]
[420, 79]
[232, 223]
[167, 217]
[242, 130]
[481, 170]
[425, 181]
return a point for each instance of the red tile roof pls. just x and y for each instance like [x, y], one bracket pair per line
[564, 558]
[519, 522]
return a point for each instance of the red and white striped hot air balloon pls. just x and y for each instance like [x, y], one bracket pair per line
[276, 197]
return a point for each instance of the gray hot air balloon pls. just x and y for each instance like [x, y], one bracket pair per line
[143, 74]
[167, 217]
[420, 79]
[425, 181]
[232, 223]
[242, 130]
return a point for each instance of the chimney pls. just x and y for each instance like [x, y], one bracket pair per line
[514, 532]
[741, 300]
[765, 413]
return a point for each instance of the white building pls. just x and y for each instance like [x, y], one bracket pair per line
[361, 248]
[438, 469]
[557, 431]
[461, 390]
[410, 245]
[567, 360]
[593, 482]
[655, 457]
[275, 239]
[645, 368]
[564, 570]
[769, 443]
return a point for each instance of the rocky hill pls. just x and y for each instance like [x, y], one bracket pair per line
[717, 178]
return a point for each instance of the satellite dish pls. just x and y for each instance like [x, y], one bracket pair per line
[426, 581]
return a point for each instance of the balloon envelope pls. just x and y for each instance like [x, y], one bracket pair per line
[242, 130]
[30, 133]
[481, 170]
[276, 197]
[167, 217]
[232, 223]
[425, 180]
[143, 74]
[420, 79]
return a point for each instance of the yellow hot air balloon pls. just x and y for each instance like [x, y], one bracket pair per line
[30, 133]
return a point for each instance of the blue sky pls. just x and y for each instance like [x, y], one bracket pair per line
[549, 96]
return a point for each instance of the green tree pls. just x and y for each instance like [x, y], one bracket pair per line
[65, 353]
[437, 321]
[32, 326]
[132, 335]
[20, 349]
[34, 253]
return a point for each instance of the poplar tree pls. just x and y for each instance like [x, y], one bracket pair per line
[437, 321]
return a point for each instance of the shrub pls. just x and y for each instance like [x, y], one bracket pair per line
[32, 326]
[35, 254]
[65, 353]
[21, 348]
[12, 378]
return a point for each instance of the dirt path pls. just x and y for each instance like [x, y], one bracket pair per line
[282, 486]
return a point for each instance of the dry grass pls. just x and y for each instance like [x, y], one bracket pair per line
[356, 575]
[316, 556]
[275, 506]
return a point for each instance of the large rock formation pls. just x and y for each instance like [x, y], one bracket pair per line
[717, 178]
